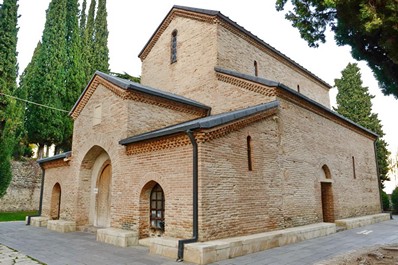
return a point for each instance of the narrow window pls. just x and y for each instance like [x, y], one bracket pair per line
[298, 88]
[174, 46]
[249, 153]
[353, 168]
[157, 208]
[255, 68]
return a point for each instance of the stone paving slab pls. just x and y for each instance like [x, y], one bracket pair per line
[10, 256]
[80, 248]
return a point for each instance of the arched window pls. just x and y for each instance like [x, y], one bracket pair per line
[353, 168]
[174, 46]
[157, 208]
[249, 153]
[255, 68]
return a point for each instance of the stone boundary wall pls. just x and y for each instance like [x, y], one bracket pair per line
[23, 194]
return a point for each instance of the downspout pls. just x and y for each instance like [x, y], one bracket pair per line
[41, 195]
[195, 229]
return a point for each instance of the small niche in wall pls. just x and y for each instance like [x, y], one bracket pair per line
[97, 115]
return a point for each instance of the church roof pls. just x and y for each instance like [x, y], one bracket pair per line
[202, 123]
[56, 157]
[130, 85]
[270, 83]
[232, 23]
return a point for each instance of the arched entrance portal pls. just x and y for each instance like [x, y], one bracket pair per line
[55, 202]
[103, 200]
[327, 196]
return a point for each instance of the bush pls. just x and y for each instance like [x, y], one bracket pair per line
[385, 200]
[394, 200]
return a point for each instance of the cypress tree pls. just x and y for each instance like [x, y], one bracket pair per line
[75, 74]
[88, 42]
[354, 102]
[101, 51]
[26, 81]
[83, 18]
[8, 75]
[47, 126]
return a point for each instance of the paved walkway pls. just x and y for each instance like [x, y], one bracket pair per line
[81, 248]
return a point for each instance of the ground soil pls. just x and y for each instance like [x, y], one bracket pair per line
[381, 255]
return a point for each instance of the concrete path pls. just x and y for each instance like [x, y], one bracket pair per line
[81, 248]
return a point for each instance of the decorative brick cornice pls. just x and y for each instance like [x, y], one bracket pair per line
[158, 144]
[136, 96]
[261, 89]
[201, 136]
[283, 94]
[56, 163]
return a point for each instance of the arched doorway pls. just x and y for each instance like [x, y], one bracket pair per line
[327, 196]
[103, 200]
[55, 202]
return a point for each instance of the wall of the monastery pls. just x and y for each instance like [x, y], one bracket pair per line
[233, 200]
[143, 117]
[193, 73]
[109, 131]
[66, 178]
[172, 170]
[23, 194]
[309, 141]
[235, 53]
[226, 97]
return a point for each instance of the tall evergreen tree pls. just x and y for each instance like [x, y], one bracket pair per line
[101, 51]
[8, 76]
[26, 80]
[88, 42]
[83, 18]
[74, 68]
[354, 102]
[46, 126]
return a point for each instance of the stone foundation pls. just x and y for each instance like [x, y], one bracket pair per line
[61, 226]
[38, 221]
[213, 251]
[355, 222]
[117, 237]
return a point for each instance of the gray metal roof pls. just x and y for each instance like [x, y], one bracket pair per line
[56, 157]
[292, 91]
[242, 29]
[202, 123]
[130, 85]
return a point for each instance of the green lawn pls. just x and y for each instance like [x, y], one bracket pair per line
[15, 216]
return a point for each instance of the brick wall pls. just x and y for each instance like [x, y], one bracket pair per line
[236, 53]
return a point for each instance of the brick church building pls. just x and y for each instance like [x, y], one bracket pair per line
[225, 137]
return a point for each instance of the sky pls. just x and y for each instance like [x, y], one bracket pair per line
[132, 23]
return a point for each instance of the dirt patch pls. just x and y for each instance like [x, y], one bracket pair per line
[381, 255]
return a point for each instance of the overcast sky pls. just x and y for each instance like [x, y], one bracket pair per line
[131, 24]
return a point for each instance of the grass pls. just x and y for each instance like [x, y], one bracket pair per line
[15, 216]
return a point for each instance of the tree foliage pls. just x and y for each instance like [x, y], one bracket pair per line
[101, 52]
[8, 76]
[385, 201]
[394, 200]
[369, 27]
[354, 103]
[46, 126]
[127, 76]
